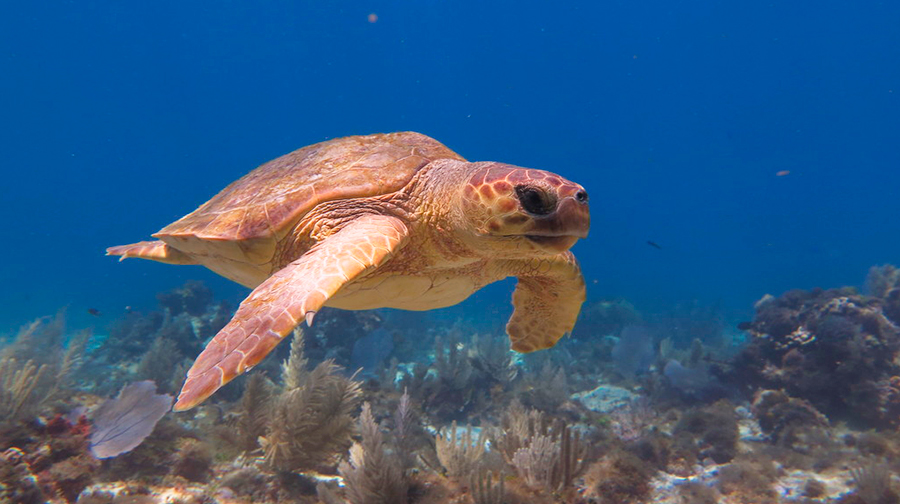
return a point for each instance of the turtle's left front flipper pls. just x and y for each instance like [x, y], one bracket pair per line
[289, 296]
[547, 301]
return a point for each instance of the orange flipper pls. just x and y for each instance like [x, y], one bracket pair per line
[547, 301]
[289, 296]
[152, 250]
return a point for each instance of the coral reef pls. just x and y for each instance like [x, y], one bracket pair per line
[834, 348]
[485, 490]
[635, 408]
[618, 477]
[545, 453]
[17, 384]
[710, 431]
[122, 423]
[789, 421]
[373, 474]
[311, 420]
[460, 456]
[873, 484]
[251, 416]
[37, 367]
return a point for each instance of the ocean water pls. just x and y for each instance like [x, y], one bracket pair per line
[121, 117]
[730, 150]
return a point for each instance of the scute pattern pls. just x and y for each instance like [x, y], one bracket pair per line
[268, 200]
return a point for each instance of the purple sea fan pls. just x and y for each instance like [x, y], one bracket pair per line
[121, 424]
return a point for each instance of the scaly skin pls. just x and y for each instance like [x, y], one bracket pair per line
[452, 229]
[293, 294]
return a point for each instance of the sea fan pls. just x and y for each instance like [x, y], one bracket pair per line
[121, 424]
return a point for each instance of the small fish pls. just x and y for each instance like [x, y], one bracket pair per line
[745, 326]
[782, 173]
[654, 244]
[93, 311]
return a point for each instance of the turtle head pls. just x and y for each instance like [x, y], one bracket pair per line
[525, 210]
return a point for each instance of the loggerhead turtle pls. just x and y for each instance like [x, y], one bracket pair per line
[389, 220]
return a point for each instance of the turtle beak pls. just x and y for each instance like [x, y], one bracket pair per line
[572, 216]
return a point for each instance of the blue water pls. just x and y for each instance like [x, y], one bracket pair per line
[120, 117]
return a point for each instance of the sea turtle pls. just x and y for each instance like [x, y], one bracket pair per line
[388, 220]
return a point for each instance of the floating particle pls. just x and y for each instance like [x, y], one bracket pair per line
[782, 173]
[373, 17]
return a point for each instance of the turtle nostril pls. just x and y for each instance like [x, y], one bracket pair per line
[581, 196]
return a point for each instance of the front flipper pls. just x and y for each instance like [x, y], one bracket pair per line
[547, 301]
[289, 296]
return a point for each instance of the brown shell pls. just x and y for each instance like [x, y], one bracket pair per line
[269, 200]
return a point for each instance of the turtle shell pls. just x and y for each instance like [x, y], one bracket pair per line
[262, 207]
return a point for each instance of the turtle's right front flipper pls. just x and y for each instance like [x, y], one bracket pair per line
[289, 296]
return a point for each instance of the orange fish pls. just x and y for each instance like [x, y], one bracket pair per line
[782, 173]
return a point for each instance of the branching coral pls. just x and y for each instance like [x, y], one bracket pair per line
[312, 419]
[452, 366]
[534, 462]
[547, 389]
[451, 388]
[37, 368]
[873, 484]
[373, 475]
[550, 461]
[39, 339]
[485, 490]
[460, 456]
[518, 426]
[406, 430]
[546, 456]
[253, 412]
[70, 362]
[158, 362]
[491, 355]
[17, 385]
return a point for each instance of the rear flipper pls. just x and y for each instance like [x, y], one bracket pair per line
[152, 250]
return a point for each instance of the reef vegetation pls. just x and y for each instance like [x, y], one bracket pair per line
[801, 404]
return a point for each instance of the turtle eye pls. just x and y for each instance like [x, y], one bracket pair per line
[535, 201]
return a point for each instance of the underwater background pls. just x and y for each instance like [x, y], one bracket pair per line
[731, 150]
